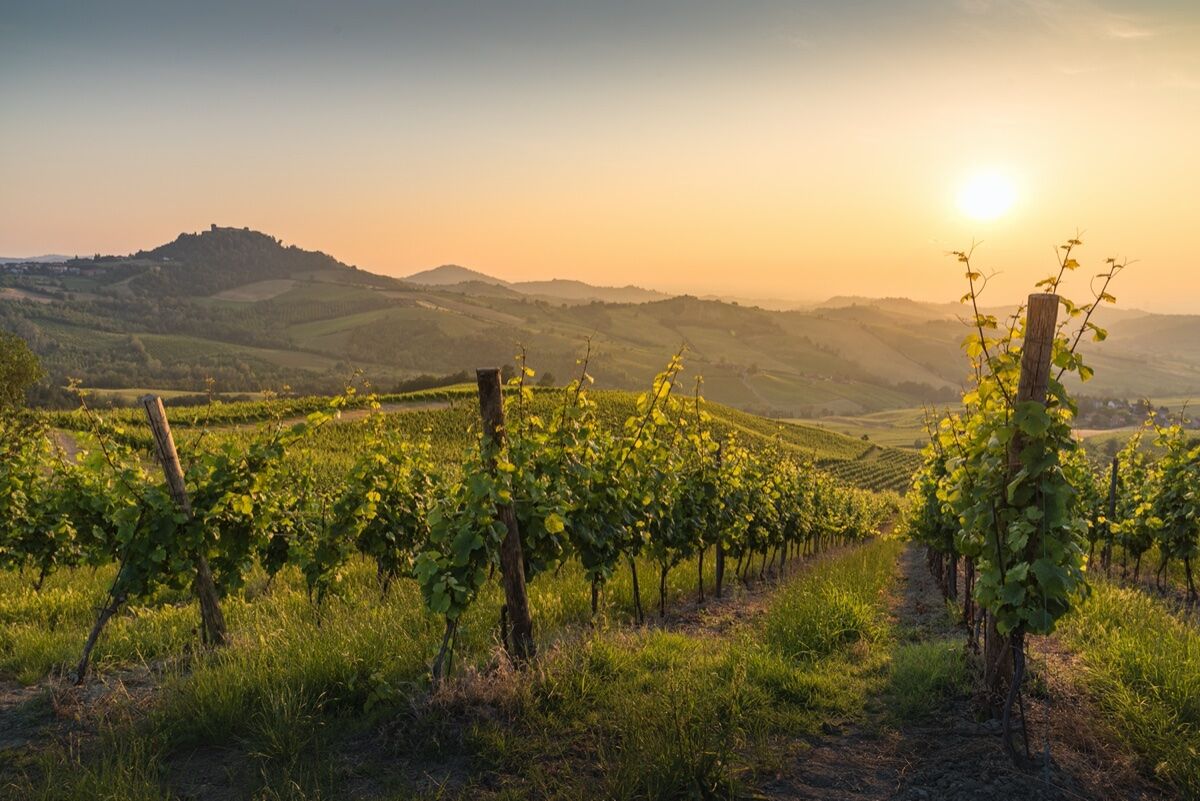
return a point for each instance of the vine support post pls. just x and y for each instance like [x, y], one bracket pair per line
[968, 597]
[638, 615]
[1005, 656]
[211, 620]
[719, 566]
[519, 643]
[1106, 553]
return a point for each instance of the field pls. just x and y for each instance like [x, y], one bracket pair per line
[453, 413]
[896, 428]
[332, 699]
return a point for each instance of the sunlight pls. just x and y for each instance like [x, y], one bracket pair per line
[986, 196]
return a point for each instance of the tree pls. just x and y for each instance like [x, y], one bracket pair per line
[19, 369]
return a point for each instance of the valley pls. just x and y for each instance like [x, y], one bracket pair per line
[242, 309]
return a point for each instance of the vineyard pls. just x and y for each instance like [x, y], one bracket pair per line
[573, 487]
[449, 418]
[506, 591]
[1008, 495]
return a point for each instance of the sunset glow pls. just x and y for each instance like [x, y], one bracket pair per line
[986, 196]
[700, 147]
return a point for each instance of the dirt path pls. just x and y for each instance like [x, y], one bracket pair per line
[953, 756]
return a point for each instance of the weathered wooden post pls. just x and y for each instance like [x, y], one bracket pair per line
[518, 640]
[719, 573]
[1036, 351]
[211, 619]
[1106, 553]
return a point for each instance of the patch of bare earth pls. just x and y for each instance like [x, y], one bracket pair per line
[955, 756]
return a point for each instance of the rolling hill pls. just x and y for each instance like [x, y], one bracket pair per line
[49, 258]
[243, 309]
[468, 281]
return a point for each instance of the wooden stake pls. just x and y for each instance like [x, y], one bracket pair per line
[719, 577]
[1106, 552]
[1036, 351]
[520, 643]
[211, 620]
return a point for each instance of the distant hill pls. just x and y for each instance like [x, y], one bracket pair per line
[566, 289]
[480, 288]
[244, 309]
[50, 258]
[216, 260]
[451, 274]
[902, 306]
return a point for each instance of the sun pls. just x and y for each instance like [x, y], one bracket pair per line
[986, 196]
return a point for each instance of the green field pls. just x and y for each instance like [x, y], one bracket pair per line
[897, 428]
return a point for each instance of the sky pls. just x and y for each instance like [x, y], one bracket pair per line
[759, 148]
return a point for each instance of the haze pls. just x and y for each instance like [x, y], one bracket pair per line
[763, 149]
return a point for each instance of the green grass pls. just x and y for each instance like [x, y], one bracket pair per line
[925, 676]
[1142, 665]
[898, 428]
[609, 713]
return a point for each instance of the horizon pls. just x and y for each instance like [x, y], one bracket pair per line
[800, 302]
[764, 151]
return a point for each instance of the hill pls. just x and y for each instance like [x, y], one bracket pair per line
[49, 258]
[565, 289]
[451, 274]
[467, 281]
[249, 312]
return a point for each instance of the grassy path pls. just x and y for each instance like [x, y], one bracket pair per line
[920, 737]
[845, 681]
[303, 709]
[1138, 658]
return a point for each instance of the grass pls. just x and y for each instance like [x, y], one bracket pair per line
[1142, 665]
[898, 428]
[925, 676]
[611, 713]
[42, 632]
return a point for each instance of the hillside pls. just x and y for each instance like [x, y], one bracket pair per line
[451, 274]
[249, 312]
[565, 289]
[467, 281]
[49, 258]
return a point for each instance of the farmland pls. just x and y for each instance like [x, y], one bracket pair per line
[305, 694]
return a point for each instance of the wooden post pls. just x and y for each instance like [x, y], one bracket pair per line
[1040, 325]
[211, 619]
[1106, 553]
[719, 574]
[520, 643]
